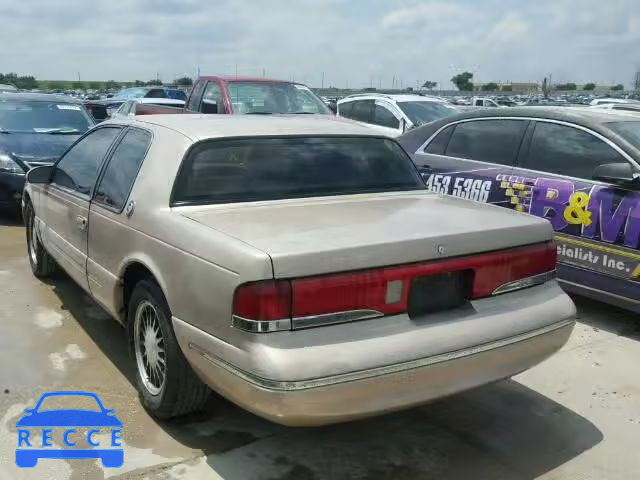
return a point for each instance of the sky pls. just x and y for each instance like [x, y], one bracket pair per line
[351, 43]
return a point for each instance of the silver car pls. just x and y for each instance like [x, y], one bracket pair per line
[296, 266]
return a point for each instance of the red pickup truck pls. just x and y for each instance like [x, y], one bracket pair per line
[245, 95]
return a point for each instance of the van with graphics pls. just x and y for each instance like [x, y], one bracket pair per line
[577, 167]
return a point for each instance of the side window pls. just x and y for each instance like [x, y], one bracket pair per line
[196, 94]
[212, 101]
[492, 141]
[78, 169]
[568, 151]
[362, 110]
[439, 144]
[123, 109]
[122, 169]
[382, 116]
[345, 109]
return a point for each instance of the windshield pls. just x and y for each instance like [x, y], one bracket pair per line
[421, 112]
[265, 97]
[630, 131]
[243, 170]
[43, 117]
[131, 93]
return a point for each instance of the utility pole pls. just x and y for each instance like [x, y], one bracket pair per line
[264, 74]
[322, 82]
[78, 76]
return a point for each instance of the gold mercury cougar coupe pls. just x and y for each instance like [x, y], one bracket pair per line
[295, 265]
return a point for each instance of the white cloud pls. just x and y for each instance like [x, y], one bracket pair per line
[354, 42]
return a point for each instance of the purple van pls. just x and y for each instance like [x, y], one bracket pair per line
[577, 167]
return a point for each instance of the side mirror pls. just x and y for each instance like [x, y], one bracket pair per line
[28, 410]
[40, 174]
[616, 173]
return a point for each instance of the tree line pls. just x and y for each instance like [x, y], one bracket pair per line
[29, 82]
[464, 82]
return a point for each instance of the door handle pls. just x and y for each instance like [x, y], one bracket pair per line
[81, 223]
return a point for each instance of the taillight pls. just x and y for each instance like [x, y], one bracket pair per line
[270, 300]
[306, 302]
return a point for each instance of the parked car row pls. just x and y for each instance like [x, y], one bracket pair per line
[321, 241]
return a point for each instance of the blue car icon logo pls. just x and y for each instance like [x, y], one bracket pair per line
[36, 419]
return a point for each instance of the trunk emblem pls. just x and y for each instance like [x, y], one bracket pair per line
[441, 250]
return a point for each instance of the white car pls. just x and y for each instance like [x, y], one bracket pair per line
[131, 107]
[393, 114]
[610, 101]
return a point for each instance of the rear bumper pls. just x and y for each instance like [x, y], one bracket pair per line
[367, 392]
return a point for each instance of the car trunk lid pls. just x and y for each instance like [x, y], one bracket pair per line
[316, 236]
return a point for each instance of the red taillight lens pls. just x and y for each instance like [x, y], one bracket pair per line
[268, 300]
[365, 290]
[500, 268]
[385, 291]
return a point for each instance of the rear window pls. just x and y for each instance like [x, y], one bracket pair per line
[630, 131]
[254, 169]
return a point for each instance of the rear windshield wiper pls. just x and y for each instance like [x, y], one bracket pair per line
[2, 130]
[259, 113]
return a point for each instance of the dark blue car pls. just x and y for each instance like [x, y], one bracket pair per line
[70, 419]
[35, 129]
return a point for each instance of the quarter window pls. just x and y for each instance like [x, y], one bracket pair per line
[344, 109]
[382, 116]
[212, 101]
[566, 150]
[122, 169]
[195, 95]
[491, 141]
[78, 169]
[439, 144]
[362, 110]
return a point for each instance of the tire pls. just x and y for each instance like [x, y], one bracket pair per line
[175, 389]
[42, 264]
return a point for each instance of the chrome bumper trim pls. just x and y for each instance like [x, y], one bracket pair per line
[525, 282]
[285, 386]
[298, 323]
[334, 318]
[260, 326]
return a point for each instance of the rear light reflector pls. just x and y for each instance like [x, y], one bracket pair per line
[269, 300]
[312, 301]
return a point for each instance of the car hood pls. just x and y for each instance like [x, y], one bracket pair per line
[332, 234]
[36, 148]
[69, 418]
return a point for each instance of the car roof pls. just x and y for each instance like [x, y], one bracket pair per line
[233, 78]
[201, 127]
[587, 117]
[158, 101]
[406, 97]
[38, 97]
[590, 118]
